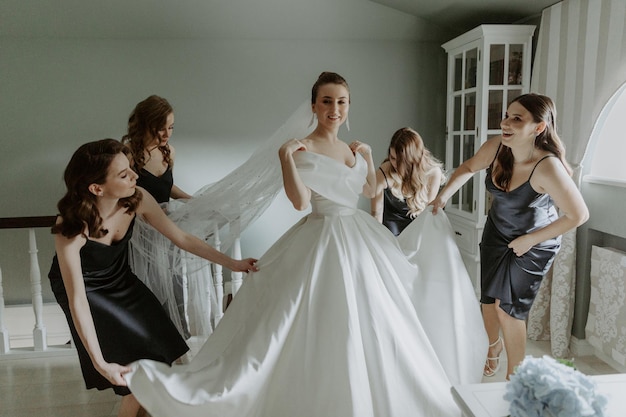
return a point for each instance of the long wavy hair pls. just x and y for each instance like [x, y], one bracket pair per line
[89, 165]
[409, 180]
[543, 110]
[327, 78]
[144, 124]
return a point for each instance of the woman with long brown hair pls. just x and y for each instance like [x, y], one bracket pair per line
[150, 127]
[113, 317]
[529, 179]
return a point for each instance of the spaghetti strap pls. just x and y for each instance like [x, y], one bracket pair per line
[535, 167]
[386, 182]
[495, 156]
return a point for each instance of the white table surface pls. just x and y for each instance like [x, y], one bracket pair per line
[485, 400]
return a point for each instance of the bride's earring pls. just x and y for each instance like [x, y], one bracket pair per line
[312, 120]
[348, 124]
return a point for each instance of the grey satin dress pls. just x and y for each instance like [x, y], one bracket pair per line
[515, 280]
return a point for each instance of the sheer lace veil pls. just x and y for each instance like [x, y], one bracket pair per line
[218, 213]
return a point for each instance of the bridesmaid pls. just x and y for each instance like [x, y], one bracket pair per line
[407, 180]
[113, 317]
[529, 178]
[150, 127]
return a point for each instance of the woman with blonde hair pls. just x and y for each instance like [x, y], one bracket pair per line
[407, 180]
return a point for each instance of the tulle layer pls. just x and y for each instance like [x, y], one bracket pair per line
[218, 213]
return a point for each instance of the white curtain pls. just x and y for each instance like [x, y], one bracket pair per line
[580, 62]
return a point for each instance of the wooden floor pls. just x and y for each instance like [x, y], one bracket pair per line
[53, 386]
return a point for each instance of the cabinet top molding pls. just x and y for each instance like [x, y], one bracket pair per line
[490, 31]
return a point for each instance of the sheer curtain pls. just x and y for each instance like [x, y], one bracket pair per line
[580, 62]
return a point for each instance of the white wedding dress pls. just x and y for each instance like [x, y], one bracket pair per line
[325, 328]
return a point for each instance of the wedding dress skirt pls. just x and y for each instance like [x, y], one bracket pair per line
[444, 298]
[324, 328]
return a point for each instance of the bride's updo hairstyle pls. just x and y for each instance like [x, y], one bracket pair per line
[327, 78]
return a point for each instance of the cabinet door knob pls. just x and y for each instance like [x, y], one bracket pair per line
[458, 233]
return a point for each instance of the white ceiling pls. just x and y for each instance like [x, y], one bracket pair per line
[257, 19]
[462, 15]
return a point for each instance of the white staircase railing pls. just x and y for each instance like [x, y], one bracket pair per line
[40, 346]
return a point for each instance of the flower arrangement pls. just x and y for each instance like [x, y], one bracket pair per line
[546, 387]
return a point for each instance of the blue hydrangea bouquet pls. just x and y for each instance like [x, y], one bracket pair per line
[546, 387]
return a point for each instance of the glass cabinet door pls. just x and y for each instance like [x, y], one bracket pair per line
[516, 67]
[467, 190]
[463, 121]
[505, 84]
[503, 59]
[471, 67]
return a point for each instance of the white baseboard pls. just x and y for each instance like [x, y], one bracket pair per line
[609, 361]
[581, 347]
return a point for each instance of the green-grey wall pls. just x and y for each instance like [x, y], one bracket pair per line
[606, 227]
[228, 96]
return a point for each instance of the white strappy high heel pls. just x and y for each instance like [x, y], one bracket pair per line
[489, 371]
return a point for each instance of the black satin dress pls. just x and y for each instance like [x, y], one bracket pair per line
[515, 280]
[128, 318]
[395, 211]
[159, 187]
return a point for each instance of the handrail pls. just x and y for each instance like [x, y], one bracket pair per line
[26, 222]
[39, 332]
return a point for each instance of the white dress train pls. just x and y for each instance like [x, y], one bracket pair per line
[325, 328]
[444, 298]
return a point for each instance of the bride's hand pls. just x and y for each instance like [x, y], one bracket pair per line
[291, 146]
[360, 147]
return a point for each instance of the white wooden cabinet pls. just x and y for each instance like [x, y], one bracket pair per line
[487, 68]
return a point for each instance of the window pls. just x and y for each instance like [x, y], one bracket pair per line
[608, 143]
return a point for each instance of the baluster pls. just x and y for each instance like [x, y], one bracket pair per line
[39, 332]
[218, 282]
[236, 277]
[184, 284]
[4, 334]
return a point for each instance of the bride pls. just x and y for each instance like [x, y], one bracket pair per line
[326, 326]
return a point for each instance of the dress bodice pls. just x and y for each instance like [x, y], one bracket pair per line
[395, 212]
[519, 211]
[335, 186]
[159, 187]
[101, 264]
[321, 206]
